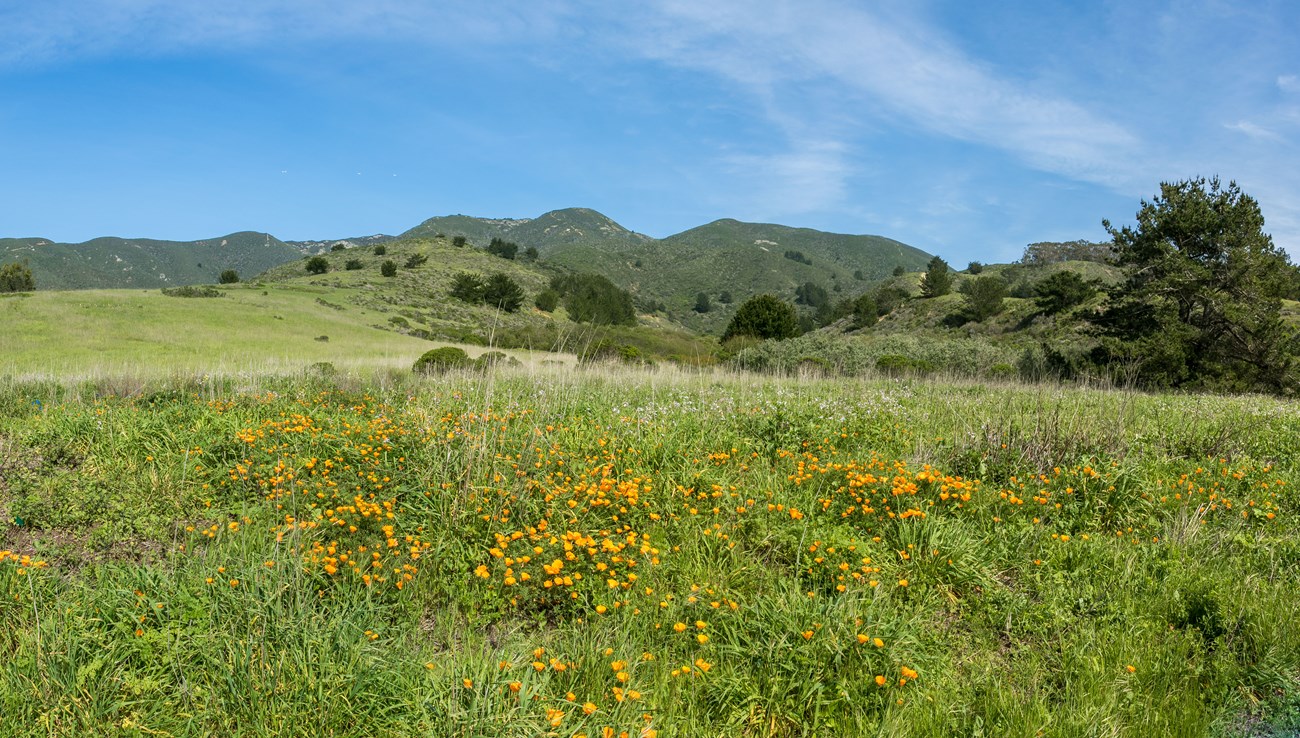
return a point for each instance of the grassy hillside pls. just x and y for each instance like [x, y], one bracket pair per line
[418, 301]
[93, 333]
[727, 256]
[106, 263]
[561, 553]
[1020, 323]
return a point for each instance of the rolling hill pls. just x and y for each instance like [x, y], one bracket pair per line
[106, 263]
[726, 258]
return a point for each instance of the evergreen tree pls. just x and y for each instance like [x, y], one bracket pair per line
[865, 311]
[811, 295]
[983, 297]
[502, 248]
[503, 293]
[468, 287]
[702, 304]
[763, 316]
[1062, 291]
[388, 268]
[318, 265]
[1200, 304]
[591, 298]
[937, 280]
[229, 276]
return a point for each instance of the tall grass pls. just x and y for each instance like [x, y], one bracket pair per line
[746, 556]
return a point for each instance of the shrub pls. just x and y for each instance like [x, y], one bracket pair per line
[702, 304]
[856, 357]
[193, 291]
[352, 265]
[502, 248]
[490, 359]
[591, 298]
[16, 277]
[895, 365]
[899, 270]
[1003, 371]
[763, 316]
[388, 268]
[798, 256]
[229, 276]
[439, 360]
[547, 300]
[974, 267]
[318, 265]
[604, 350]
[380, 250]
[415, 260]
[458, 241]
[338, 246]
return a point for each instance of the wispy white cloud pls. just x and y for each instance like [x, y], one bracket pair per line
[891, 66]
[1254, 130]
[809, 177]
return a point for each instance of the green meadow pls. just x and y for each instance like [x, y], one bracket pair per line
[144, 333]
[586, 551]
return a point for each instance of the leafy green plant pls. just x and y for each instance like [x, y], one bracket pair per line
[15, 277]
[439, 360]
[763, 316]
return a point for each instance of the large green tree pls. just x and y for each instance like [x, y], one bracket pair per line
[983, 297]
[937, 280]
[1200, 303]
[16, 277]
[764, 316]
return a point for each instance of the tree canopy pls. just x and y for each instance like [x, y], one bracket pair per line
[1200, 303]
[763, 316]
[16, 277]
[937, 280]
[983, 297]
[592, 298]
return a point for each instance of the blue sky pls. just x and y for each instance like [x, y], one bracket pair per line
[965, 129]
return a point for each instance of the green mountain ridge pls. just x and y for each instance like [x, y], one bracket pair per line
[724, 258]
[110, 262]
